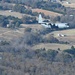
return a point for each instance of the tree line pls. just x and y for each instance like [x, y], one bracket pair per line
[20, 59]
[13, 22]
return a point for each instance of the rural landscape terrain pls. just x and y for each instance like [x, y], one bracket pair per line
[29, 48]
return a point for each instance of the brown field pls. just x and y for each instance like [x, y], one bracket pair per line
[69, 35]
[7, 13]
[53, 46]
[68, 32]
[72, 5]
[68, 3]
[15, 14]
[33, 26]
[46, 12]
[9, 34]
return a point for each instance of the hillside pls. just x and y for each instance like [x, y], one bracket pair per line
[10, 34]
[19, 57]
[29, 48]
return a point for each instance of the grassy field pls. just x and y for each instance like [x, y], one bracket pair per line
[69, 35]
[53, 46]
[72, 5]
[15, 14]
[68, 32]
[9, 34]
[46, 12]
[68, 3]
[33, 26]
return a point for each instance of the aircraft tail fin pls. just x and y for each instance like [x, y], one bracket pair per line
[40, 19]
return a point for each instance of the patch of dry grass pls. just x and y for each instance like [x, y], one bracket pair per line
[72, 5]
[53, 46]
[70, 35]
[69, 32]
[9, 33]
[46, 12]
[33, 26]
[7, 13]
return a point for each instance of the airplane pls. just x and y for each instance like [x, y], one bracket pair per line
[52, 25]
[45, 24]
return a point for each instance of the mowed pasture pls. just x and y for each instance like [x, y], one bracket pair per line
[53, 46]
[68, 32]
[69, 35]
[8, 13]
[72, 5]
[69, 3]
[10, 34]
[46, 12]
[33, 26]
